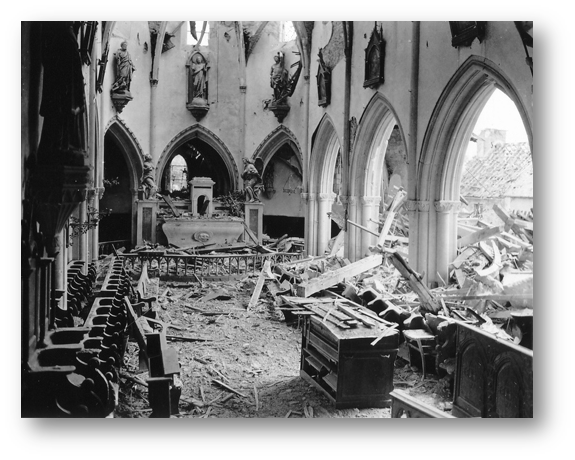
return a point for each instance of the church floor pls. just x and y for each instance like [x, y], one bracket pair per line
[252, 352]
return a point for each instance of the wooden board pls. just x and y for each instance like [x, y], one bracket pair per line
[259, 285]
[334, 277]
[478, 236]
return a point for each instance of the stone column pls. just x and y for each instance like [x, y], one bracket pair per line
[411, 206]
[446, 235]
[83, 237]
[353, 240]
[325, 201]
[312, 223]
[369, 213]
[424, 248]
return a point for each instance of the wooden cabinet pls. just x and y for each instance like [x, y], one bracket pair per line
[345, 366]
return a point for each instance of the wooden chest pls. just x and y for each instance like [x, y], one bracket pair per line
[345, 366]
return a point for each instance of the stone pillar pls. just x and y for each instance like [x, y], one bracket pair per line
[325, 201]
[146, 221]
[351, 248]
[446, 212]
[312, 223]
[369, 214]
[254, 218]
[423, 249]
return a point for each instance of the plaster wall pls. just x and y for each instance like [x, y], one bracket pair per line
[284, 203]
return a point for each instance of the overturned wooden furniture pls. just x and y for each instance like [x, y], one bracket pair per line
[351, 366]
[406, 406]
[494, 377]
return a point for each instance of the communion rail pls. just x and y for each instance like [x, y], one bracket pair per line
[206, 266]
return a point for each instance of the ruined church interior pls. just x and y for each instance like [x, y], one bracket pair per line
[277, 219]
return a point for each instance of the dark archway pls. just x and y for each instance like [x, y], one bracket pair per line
[206, 155]
[202, 160]
[123, 168]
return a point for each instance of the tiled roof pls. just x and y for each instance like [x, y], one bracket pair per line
[506, 171]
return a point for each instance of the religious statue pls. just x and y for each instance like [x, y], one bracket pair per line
[124, 69]
[199, 73]
[148, 182]
[253, 184]
[279, 79]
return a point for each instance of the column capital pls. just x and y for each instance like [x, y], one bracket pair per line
[446, 206]
[326, 196]
[348, 199]
[418, 205]
[370, 200]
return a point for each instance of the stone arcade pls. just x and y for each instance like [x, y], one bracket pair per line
[136, 132]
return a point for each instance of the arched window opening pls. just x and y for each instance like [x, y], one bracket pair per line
[287, 32]
[178, 174]
[194, 158]
[194, 33]
[497, 168]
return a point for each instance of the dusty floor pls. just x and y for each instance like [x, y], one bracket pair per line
[253, 352]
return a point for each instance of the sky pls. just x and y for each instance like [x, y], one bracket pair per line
[501, 113]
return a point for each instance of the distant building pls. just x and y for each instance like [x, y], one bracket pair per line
[500, 173]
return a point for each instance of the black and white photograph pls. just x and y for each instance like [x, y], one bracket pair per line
[315, 219]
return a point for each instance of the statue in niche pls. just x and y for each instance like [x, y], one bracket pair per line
[279, 79]
[199, 81]
[253, 184]
[124, 70]
[148, 184]
[283, 85]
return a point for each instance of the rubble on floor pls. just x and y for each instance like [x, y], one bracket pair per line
[240, 342]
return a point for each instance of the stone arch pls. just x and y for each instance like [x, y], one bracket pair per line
[366, 172]
[274, 141]
[200, 132]
[324, 151]
[434, 209]
[134, 157]
[133, 152]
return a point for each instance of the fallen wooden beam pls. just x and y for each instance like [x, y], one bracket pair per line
[331, 278]
[259, 285]
[414, 279]
[227, 387]
[478, 236]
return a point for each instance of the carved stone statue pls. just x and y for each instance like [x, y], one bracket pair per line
[199, 74]
[124, 70]
[279, 79]
[253, 184]
[148, 182]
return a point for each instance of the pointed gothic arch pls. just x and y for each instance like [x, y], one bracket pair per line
[324, 153]
[366, 172]
[274, 141]
[202, 133]
[434, 208]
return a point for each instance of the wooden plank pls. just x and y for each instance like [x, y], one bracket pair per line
[259, 285]
[356, 316]
[338, 243]
[414, 279]
[331, 278]
[168, 201]
[478, 236]
[362, 228]
[496, 297]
